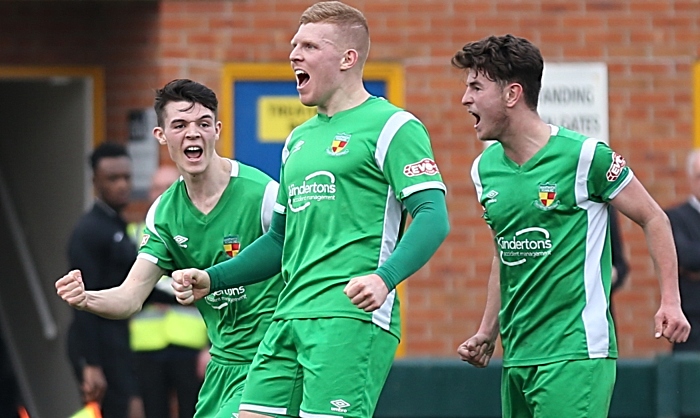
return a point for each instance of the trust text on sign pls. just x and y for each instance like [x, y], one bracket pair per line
[278, 115]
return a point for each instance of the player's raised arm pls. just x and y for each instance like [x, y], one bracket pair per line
[115, 303]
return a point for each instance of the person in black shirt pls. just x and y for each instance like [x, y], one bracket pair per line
[685, 222]
[99, 246]
[620, 265]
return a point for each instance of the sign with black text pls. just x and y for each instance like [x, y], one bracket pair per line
[575, 96]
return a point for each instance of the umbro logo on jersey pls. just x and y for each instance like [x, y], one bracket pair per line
[491, 196]
[339, 405]
[297, 147]
[181, 241]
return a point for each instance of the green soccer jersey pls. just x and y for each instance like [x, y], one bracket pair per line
[179, 236]
[342, 182]
[550, 222]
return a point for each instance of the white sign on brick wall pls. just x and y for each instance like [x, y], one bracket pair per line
[575, 95]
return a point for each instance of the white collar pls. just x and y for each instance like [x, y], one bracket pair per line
[694, 202]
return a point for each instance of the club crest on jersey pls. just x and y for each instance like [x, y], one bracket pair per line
[547, 198]
[232, 245]
[337, 147]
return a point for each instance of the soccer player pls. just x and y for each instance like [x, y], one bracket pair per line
[546, 193]
[218, 207]
[348, 175]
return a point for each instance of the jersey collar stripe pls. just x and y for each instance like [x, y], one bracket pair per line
[476, 179]
[151, 220]
[395, 122]
[585, 160]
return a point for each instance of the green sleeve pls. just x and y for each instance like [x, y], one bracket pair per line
[259, 261]
[424, 235]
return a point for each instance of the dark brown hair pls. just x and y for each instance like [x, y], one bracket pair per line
[505, 59]
[184, 90]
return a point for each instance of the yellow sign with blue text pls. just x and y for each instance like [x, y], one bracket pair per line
[278, 115]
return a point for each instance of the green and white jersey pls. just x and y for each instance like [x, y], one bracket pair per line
[179, 236]
[550, 222]
[342, 182]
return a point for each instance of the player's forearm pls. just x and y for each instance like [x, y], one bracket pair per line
[112, 303]
[663, 254]
[427, 231]
[489, 322]
[126, 299]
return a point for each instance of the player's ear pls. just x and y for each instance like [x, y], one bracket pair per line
[350, 58]
[513, 93]
[159, 135]
[218, 130]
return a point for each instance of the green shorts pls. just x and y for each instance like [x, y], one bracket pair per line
[221, 391]
[327, 367]
[571, 388]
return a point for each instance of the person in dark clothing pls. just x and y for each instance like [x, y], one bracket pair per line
[9, 391]
[100, 247]
[685, 222]
[620, 266]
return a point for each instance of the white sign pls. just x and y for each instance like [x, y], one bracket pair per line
[143, 149]
[575, 96]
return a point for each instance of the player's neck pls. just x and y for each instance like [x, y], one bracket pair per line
[523, 140]
[205, 189]
[348, 96]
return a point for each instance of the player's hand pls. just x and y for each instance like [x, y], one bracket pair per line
[190, 285]
[671, 323]
[367, 292]
[72, 289]
[477, 350]
[94, 384]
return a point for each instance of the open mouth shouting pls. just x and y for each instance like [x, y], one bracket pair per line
[477, 117]
[193, 152]
[302, 78]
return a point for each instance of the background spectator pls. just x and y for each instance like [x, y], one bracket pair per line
[99, 246]
[685, 222]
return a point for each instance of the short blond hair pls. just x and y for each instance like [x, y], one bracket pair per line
[348, 18]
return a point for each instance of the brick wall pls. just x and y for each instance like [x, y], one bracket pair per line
[649, 47]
